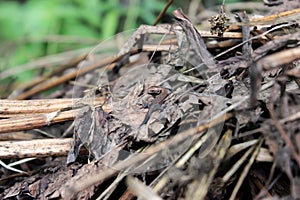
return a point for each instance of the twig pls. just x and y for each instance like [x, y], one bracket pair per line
[283, 134]
[163, 12]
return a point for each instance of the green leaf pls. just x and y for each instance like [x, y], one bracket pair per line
[110, 24]
[132, 15]
[81, 29]
[10, 20]
[25, 53]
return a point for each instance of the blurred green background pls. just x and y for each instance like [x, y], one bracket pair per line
[36, 28]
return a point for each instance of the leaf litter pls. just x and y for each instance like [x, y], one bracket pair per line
[228, 127]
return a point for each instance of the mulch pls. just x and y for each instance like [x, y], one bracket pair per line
[227, 128]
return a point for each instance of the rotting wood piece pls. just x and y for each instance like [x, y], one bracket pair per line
[10, 107]
[35, 148]
[20, 107]
[35, 121]
[26, 121]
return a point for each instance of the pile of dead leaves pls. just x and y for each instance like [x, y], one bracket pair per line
[221, 122]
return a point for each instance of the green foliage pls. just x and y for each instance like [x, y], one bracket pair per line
[22, 23]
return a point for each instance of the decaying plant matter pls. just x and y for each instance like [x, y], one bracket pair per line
[177, 113]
